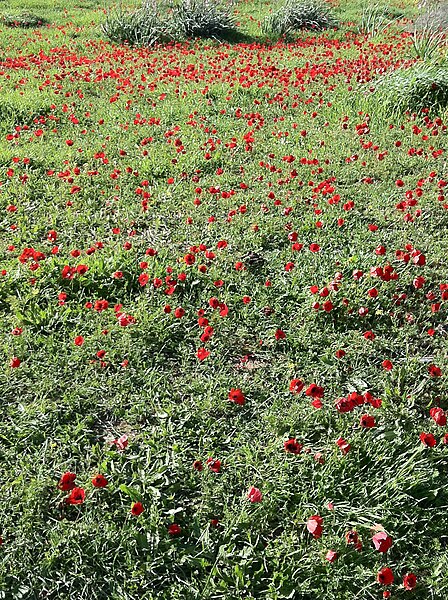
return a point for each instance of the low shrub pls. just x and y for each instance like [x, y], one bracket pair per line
[143, 27]
[415, 88]
[374, 20]
[202, 18]
[23, 19]
[293, 16]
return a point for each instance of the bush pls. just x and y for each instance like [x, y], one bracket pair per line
[374, 20]
[24, 19]
[427, 43]
[143, 27]
[293, 16]
[415, 88]
[202, 18]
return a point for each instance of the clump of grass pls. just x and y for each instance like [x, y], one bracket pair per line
[143, 27]
[293, 16]
[374, 20]
[202, 18]
[413, 89]
[427, 43]
[23, 19]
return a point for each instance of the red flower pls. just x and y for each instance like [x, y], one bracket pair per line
[79, 340]
[351, 537]
[434, 371]
[369, 335]
[202, 354]
[296, 386]
[99, 481]
[280, 335]
[427, 439]
[315, 391]
[314, 526]
[340, 353]
[197, 465]
[438, 415]
[382, 541]
[343, 445]
[409, 581]
[254, 495]
[214, 465]
[331, 556]
[137, 508]
[367, 421]
[67, 481]
[14, 362]
[387, 365]
[292, 446]
[76, 496]
[314, 247]
[174, 529]
[143, 279]
[237, 397]
[385, 576]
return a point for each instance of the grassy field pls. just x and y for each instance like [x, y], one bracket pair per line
[208, 249]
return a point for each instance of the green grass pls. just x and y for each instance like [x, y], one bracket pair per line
[230, 106]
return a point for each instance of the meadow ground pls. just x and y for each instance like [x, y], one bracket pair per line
[223, 267]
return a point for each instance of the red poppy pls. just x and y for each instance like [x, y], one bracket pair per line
[296, 386]
[331, 556]
[197, 465]
[438, 415]
[385, 576]
[237, 397]
[76, 496]
[79, 340]
[214, 465]
[409, 581]
[434, 371]
[314, 526]
[315, 391]
[382, 541]
[367, 421]
[254, 495]
[292, 446]
[99, 481]
[427, 439]
[202, 354]
[343, 445]
[174, 529]
[14, 362]
[67, 481]
[137, 508]
[387, 365]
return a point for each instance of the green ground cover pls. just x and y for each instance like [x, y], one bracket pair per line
[187, 233]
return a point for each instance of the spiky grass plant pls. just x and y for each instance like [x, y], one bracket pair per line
[428, 44]
[422, 86]
[143, 27]
[202, 18]
[23, 19]
[293, 16]
[374, 20]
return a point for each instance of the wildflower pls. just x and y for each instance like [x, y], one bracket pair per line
[76, 496]
[254, 495]
[137, 508]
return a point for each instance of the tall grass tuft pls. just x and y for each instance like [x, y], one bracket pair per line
[422, 86]
[143, 27]
[202, 18]
[294, 15]
[374, 20]
[24, 20]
